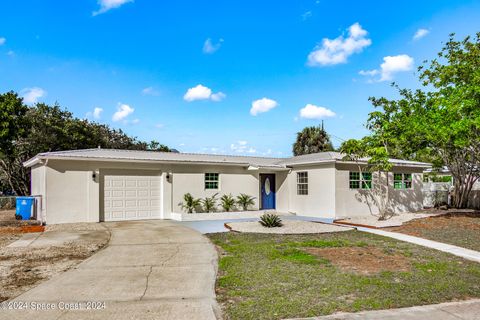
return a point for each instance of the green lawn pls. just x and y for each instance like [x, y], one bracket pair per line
[281, 276]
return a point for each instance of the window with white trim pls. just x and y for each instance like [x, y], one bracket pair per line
[302, 183]
[360, 180]
[402, 181]
[211, 180]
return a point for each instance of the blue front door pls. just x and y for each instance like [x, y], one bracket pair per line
[268, 191]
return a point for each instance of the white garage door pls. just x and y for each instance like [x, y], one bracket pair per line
[132, 196]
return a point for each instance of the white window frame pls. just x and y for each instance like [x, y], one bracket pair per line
[302, 183]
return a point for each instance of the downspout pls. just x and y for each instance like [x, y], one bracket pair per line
[44, 196]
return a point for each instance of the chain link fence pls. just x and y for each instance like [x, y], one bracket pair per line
[7, 203]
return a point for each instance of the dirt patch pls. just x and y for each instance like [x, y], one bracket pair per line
[84, 226]
[458, 228]
[463, 221]
[7, 215]
[24, 267]
[363, 260]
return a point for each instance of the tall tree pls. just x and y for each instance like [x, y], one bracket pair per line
[441, 121]
[41, 128]
[12, 124]
[312, 140]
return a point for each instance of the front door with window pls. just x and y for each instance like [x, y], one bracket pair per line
[267, 186]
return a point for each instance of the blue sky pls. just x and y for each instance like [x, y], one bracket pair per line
[258, 71]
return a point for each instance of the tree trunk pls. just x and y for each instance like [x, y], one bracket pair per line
[461, 192]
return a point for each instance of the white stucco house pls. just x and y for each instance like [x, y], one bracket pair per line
[110, 185]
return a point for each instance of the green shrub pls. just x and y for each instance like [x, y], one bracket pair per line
[189, 203]
[245, 201]
[209, 203]
[270, 220]
[228, 202]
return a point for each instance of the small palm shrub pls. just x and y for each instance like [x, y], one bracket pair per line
[189, 203]
[270, 220]
[228, 202]
[209, 203]
[245, 201]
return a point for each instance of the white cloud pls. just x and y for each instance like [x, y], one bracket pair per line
[390, 66]
[201, 92]
[159, 126]
[209, 47]
[306, 15]
[197, 93]
[150, 91]
[123, 111]
[96, 113]
[311, 111]
[219, 96]
[370, 73]
[31, 95]
[262, 105]
[106, 5]
[338, 50]
[420, 33]
[11, 53]
[2, 41]
[242, 146]
[135, 121]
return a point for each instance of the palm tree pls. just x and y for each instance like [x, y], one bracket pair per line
[209, 203]
[245, 201]
[190, 204]
[312, 140]
[228, 202]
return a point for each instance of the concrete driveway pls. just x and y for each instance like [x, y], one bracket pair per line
[149, 270]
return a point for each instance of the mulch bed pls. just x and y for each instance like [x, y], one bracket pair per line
[459, 220]
[362, 260]
[459, 228]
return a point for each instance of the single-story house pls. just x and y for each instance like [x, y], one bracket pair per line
[110, 185]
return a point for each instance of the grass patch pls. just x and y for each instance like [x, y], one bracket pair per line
[268, 276]
[326, 243]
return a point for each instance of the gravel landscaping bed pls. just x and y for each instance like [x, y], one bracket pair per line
[289, 227]
[393, 221]
[22, 268]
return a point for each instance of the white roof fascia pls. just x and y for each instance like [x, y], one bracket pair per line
[38, 159]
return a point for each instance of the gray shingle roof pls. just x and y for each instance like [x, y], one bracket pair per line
[169, 157]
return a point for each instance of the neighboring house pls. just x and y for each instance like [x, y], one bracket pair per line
[110, 185]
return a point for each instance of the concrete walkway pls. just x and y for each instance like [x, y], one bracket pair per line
[466, 310]
[149, 270]
[458, 251]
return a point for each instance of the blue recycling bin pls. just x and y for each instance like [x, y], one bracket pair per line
[24, 207]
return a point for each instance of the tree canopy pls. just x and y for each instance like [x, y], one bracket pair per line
[312, 140]
[27, 131]
[440, 122]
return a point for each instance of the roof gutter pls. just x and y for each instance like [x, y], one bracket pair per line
[32, 162]
[399, 164]
[38, 159]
